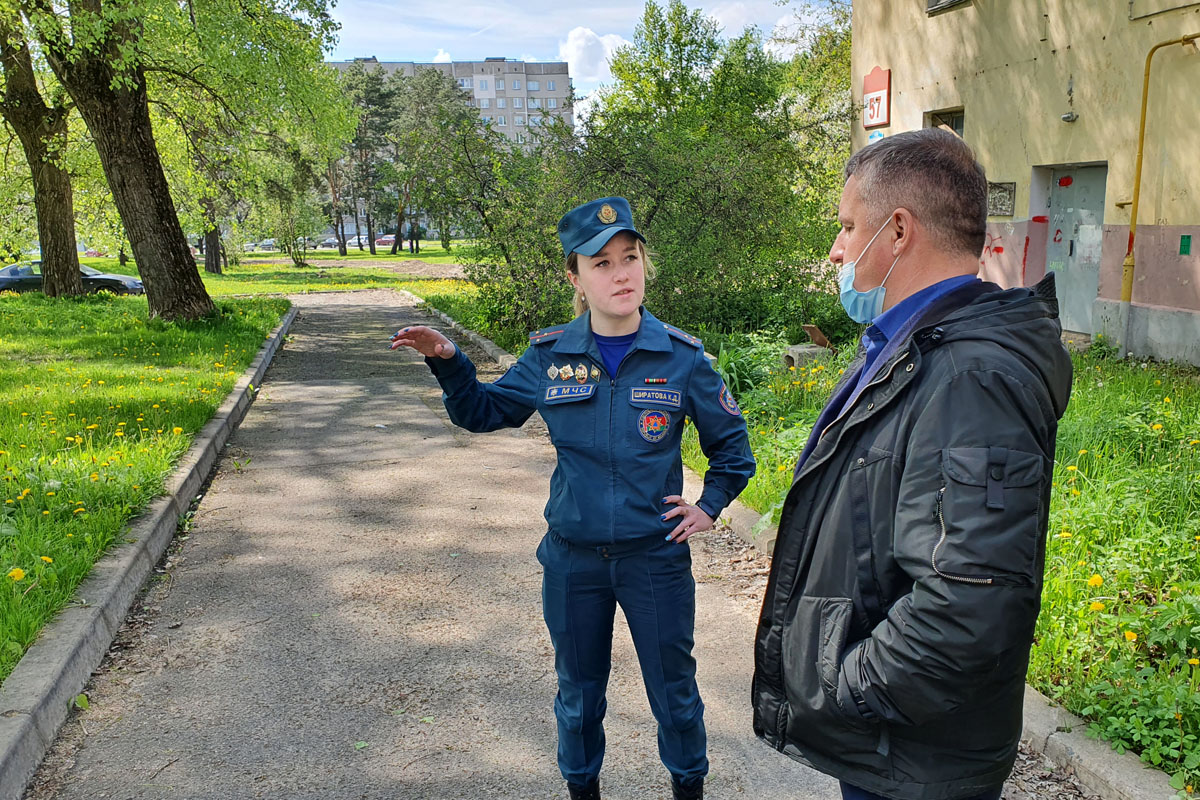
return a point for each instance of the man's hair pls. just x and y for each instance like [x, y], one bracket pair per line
[933, 174]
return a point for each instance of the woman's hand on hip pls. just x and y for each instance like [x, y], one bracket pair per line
[691, 518]
[424, 340]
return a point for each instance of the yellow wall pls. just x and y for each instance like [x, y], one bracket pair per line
[989, 57]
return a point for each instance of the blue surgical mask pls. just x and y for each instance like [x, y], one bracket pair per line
[863, 306]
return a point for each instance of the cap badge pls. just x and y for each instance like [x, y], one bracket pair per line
[607, 214]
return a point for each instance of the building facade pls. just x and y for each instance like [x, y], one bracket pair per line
[1049, 93]
[512, 96]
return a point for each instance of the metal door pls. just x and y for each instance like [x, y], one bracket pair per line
[1073, 246]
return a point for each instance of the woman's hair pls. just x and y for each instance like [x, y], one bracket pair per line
[579, 303]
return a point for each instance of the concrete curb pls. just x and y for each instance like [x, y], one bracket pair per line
[36, 698]
[1048, 729]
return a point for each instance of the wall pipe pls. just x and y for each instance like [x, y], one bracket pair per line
[1129, 265]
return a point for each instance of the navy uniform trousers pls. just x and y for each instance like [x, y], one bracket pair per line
[652, 581]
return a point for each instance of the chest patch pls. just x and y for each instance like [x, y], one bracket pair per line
[728, 403]
[564, 393]
[653, 425]
[663, 397]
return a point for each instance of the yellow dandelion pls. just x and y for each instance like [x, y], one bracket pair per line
[176, 430]
[1096, 606]
[1166, 399]
[1156, 427]
[47, 559]
[1095, 581]
[1083, 452]
[78, 510]
[1072, 468]
[1063, 535]
[1130, 636]
[16, 573]
[1195, 662]
[119, 433]
[50, 494]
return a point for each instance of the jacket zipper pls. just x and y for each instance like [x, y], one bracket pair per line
[933, 559]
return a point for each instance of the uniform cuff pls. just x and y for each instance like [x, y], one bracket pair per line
[707, 507]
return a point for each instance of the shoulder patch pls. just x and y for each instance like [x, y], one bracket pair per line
[546, 334]
[683, 336]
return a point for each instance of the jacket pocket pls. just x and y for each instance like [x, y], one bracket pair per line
[812, 652]
[570, 413]
[989, 513]
[654, 417]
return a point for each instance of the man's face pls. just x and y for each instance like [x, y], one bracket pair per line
[854, 236]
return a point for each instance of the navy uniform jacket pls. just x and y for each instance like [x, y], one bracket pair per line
[618, 436]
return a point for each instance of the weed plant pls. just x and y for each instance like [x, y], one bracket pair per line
[97, 403]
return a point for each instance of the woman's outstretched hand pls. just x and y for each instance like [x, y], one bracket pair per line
[691, 518]
[425, 341]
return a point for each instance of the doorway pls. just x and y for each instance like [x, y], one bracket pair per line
[1073, 246]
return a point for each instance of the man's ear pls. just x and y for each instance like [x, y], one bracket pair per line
[906, 228]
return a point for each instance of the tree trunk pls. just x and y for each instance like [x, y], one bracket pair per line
[371, 232]
[399, 243]
[212, 251]
[117, 114]
[43, 133]
[340, 233]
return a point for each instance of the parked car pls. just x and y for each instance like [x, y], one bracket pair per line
[249, 247]
[26, 276]
[332, 241]
[385, 240]
[266, 244]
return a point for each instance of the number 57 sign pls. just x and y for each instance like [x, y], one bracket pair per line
[877, 98]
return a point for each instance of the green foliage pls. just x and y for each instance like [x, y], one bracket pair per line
[99, 404]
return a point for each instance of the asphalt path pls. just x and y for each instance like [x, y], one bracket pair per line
[354, 612]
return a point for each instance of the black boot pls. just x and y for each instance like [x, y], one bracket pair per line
[687, 790]
[589, 792]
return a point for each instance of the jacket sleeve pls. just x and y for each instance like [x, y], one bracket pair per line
[482, 407]
[970, 526]
[723, 438]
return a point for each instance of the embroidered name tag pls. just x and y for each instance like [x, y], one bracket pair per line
[563, 394]
[663, 397]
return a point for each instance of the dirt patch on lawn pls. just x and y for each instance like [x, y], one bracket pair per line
[412, 266]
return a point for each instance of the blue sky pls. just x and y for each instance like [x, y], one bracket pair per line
[583, 34]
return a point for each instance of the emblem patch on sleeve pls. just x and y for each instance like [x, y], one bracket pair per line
[728, 403]
[653, 425]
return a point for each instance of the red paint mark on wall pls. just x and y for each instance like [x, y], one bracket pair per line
[1058, 235]
[1041, 218]
[1024, 259]
[1065, 180]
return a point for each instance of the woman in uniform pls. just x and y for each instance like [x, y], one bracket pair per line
[614, 387]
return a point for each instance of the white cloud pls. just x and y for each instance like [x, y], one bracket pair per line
[732, 17]
[442, 57]
[589, 54]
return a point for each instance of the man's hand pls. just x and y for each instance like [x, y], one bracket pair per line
[691, 519]
[425, 341]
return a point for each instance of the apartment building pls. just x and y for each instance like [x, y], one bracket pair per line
[512, 96]
[1049, 94]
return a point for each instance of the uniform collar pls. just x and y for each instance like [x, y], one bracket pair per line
[577, 336]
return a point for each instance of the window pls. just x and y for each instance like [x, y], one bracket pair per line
[951, 120]
[535, 121]
[483, 83]
[534, 86]
[501, 120]
[500, 102]
[535, 102]
[932, 6]
[485, 103]
[499, 83]
[550, 85]
[486, 120]
[517, 102]
[464, 83]
[519, 119]
[516, 84]
[520, 138]
[552, 102]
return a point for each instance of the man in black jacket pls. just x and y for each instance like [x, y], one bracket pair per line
[895, 631]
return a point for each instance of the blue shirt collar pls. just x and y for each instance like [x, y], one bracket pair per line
[889, 323]
[577, 336]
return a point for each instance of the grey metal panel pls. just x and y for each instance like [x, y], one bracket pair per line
[1073, 246]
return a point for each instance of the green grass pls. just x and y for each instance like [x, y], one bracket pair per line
[97, 403]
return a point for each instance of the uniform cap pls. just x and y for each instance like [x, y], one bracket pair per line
[587, 228]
